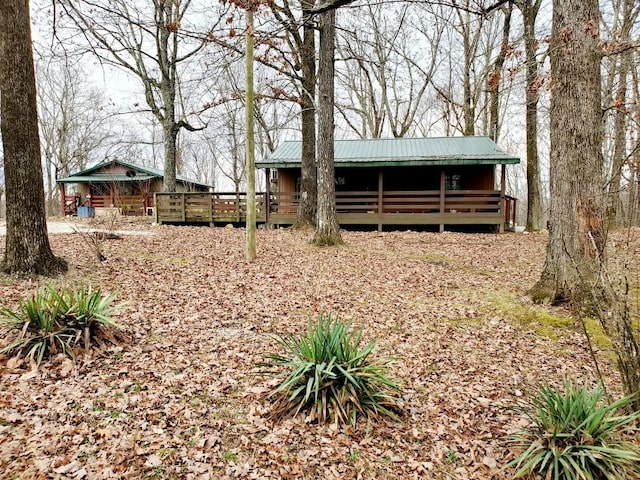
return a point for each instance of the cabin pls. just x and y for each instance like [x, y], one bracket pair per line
[120, 185]
[445, 182]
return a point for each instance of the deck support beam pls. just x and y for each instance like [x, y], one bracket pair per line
[63, 199]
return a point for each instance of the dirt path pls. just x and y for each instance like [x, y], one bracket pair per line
[58, 226]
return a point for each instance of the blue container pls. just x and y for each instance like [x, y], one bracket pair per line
[86, 212]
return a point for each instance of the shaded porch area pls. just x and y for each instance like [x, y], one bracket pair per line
[400, 208]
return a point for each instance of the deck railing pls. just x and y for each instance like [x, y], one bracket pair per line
[128, 204]
[205, 207]
[356, 207]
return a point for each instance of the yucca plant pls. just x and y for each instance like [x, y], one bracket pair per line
[575, 436]
[54, 321]
[326, 374]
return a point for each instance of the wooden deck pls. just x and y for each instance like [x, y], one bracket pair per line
[424, 207]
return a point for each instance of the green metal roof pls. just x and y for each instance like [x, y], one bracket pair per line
[105, 178]
[142, 173]
[400, 151]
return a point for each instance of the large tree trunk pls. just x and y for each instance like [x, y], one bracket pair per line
[577, 234]
[327, 228]
[27, 245]
[306, 215]
[530, 10]
[170, 140]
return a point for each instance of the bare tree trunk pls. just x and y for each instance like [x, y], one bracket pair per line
[27, 247]
[327, 228]
[577, 237]
[170, 149]
[494, 83]
[530, 10]
[620, 119]
[306, 215]
[620, 139]
[470, 39]
[250, 250]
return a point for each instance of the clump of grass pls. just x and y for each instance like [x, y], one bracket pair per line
[53, 321]
[326, 374]
[576, 437]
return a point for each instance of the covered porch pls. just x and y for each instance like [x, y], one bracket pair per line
[119, 185]
[419, 207]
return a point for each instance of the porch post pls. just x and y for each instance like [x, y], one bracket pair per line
[267, 196]
[443, 185]
[62, 198]
[503, 176]
[147, 200]
[380, 198]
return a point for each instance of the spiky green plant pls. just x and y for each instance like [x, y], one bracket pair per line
[327, 375]
[576, 437]
[55, 321]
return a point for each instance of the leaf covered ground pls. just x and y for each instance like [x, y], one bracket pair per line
[182, 399]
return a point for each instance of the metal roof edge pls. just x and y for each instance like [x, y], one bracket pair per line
[399, 163]
[149, 171]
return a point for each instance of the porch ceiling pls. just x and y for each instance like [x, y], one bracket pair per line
[400, 152]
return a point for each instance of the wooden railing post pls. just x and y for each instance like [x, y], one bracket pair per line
[380, 199]
[443, 186]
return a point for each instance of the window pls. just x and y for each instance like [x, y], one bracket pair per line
[453, 182]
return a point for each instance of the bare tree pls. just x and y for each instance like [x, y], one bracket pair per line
[27, 248]
[530, 10]
[471, 64]
[202, 165]
[495, 77]
[384, 78]
[73, 124]
[229, 144]
[327, 228]
[147, 43]
[616, 91]
[577, 233]
[295, 56]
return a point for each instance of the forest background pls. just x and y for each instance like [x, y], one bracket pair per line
[402, 69]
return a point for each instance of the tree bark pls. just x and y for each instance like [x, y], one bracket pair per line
[530, 10]
[250, 250]
[306, 215]
[575, 250]
[620, 120]
[494, 83]
[27, 249]
[327, 228]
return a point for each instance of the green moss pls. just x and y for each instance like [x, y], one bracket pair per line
[597, 335]
[541, 319]
[533, 317]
